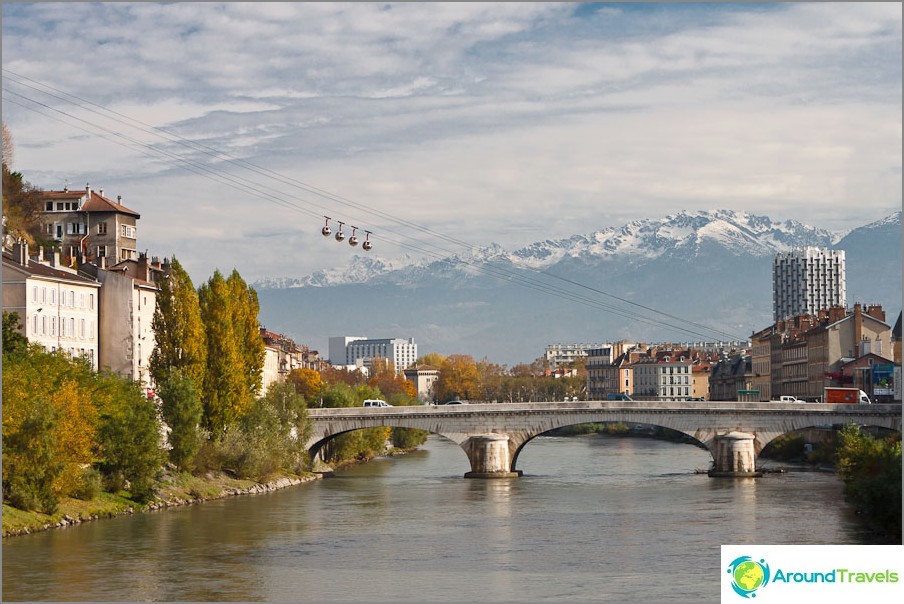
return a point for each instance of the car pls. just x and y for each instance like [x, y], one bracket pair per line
[455, 403]
[371, 402]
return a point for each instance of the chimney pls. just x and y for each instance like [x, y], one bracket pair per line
[144, 273]
[55, 257]
[119, 199]
[88, 190]
[20, 252]
[101, 192]
[858, 329]
[876, 312]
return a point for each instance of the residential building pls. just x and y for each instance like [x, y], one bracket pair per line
[761, 362]
[807, 280]
[87, 223]
[558, 355]
[700, 373]
[128, 298]
[282, 355]
[665, 376]
[731, 379]
[57, 307]
[424, 377]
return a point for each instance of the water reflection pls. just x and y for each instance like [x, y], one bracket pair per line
[593, 518]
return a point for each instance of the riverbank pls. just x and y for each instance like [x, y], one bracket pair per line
[174, 489]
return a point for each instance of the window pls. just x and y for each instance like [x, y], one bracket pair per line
[102, 228]
[75, 228]
[91, 301]
[83, 328]
[129, 231]
[72, 298]
[34, 329]
[53, 326]
[59, 206]
[34, 293]
[72, 327]
[101, 251]
[59, 230]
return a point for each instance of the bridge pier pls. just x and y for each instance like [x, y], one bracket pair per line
[734, 456]
[489, 456]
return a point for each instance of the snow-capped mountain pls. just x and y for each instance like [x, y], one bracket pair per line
[679, 235]
[709, 268]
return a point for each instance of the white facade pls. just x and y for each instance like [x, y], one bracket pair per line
[337, 349]
[670, 380]
[57, 307]
[807, 280]
[400, 352]
[564, 354]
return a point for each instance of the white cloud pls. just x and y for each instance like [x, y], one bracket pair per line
[486, 121]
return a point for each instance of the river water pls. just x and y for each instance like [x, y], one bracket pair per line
[594, 518]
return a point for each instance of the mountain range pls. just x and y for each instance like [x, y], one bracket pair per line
[686, 277]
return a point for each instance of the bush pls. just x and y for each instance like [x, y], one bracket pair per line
[89, 486]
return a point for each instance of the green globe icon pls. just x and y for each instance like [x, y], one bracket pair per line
[748, 575]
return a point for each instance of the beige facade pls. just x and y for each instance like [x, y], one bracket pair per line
[128, 301]
[57, 307]
[424, 378]
[761, 363]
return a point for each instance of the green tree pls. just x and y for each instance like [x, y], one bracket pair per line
[182, 410]
[180, 338]
[226, 392]
[247, 330]
[871, 470]
[129, 433]
[14, 342]
[30, 460]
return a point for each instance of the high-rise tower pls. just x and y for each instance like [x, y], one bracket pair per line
[807, 280]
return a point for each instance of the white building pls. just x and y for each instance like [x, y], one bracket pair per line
[807, 280]
[666, 379]
[564, 354]
[337, 349]
[58, 308]
[360, 351]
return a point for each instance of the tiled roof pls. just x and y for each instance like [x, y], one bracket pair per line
[94, 203]
[98, 203]
[42, 270]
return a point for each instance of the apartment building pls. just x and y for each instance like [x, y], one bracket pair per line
[58, 308]
[88, 224]
[128, 299]
[664, 377]
[807, 280]
[558, 355]
[731, 379]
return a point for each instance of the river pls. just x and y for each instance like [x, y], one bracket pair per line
[594, 518]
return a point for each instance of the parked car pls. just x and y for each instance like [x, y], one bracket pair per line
[372, 402]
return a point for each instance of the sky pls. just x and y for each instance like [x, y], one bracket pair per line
[233, 128]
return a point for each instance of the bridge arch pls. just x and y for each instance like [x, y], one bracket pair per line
[493, 435]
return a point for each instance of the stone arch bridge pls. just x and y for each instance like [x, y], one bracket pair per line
[493, 435]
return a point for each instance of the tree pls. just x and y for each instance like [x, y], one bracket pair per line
[247, 330]
[22, 205]
[226, 392]
[14, 342]
[129, 434]
[433, 359]
[30, 462]
[307, 382]
[182, 411]
[458, 378]
[387, 381]
[180, 338]
[8, 147]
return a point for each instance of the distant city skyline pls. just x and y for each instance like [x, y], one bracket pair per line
[483, 122]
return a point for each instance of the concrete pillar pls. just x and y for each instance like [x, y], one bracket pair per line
[489, 456]
[734, 456]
